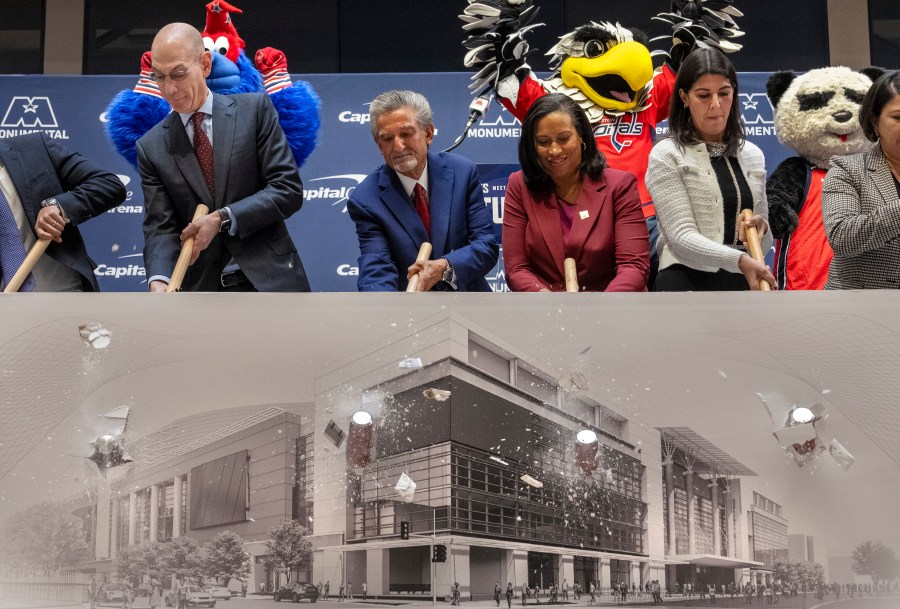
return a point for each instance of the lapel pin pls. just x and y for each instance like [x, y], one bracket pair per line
[583, 214]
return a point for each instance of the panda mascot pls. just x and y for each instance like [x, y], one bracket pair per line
[816, 116]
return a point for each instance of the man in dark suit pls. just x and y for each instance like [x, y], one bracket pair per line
[229, 153]
[46, 191]
[419, 196]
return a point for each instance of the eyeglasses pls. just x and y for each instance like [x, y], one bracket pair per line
[177, 75]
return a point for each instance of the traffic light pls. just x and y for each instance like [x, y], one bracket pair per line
[440, 554]
[404, 529]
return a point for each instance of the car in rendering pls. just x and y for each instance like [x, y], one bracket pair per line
[194, 596]
[111, 594]
[296, 591]
[220, 593]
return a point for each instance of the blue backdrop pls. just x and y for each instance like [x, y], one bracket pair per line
[71, 109]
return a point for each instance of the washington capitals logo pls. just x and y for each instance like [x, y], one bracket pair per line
[621, 130]
[29, 112]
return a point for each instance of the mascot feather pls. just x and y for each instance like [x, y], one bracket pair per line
[606, 68]
[132, 113]
[817, 116]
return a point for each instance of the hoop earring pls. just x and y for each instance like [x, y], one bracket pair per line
[583, 146]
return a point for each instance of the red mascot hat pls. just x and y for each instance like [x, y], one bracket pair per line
[219, 27]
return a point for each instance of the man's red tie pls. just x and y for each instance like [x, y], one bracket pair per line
[204, 151]
[420, 198]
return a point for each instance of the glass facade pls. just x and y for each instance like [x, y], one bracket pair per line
[475, 492]
[769, 536]
[705, 514]
[166, 512]
[302, 503]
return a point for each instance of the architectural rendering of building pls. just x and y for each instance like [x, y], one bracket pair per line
[463, 444]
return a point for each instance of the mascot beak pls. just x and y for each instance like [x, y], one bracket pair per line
[614, 79]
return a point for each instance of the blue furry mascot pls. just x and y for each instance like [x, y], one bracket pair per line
[132, 113]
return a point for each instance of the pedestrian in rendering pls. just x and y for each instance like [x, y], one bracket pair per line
[243, 589]
[455, 593]
[262, 587]
[591, 590]
[349, 591]
[341, 593]
[565, 589]
[365, 590]
[154, 593]
[326, 588]
[524, 593]
[509, 595]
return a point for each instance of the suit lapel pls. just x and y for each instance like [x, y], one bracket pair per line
[547, 216]
[440, 183]
[180, 148]
[881, 174]
[587, 211]
[223, 137]
[394, 198]
[13, 163]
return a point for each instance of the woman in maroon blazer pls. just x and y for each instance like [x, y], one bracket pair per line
[565, 203]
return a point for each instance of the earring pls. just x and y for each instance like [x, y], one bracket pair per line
[583, 146]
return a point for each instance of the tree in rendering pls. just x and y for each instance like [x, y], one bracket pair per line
[876, 560]
[288, 548]
[46, 536]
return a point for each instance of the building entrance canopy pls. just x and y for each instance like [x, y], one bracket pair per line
[711, 560]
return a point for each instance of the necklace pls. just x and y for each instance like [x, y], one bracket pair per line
[715, 149]
[737, 190]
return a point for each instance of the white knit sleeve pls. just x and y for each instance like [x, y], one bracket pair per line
[672, 182]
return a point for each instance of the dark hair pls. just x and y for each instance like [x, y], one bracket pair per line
[883, 90]
[592, 160]
[698, 63]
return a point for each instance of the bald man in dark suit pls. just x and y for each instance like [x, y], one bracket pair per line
[229, 153]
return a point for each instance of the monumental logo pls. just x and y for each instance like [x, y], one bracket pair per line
[336, 189]
[503, 125]
[123, 268]
[757, 112]
[31, 115]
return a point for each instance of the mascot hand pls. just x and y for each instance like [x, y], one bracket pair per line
[683, 42]
[146, 85]
[496, 43]
[273, 65]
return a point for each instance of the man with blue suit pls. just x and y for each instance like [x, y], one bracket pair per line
[419, 196]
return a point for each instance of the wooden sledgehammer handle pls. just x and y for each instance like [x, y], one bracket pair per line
[30, 260]
[753, 244]
[187, 249]
[424, 254]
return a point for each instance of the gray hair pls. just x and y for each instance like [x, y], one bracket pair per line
[389, 101]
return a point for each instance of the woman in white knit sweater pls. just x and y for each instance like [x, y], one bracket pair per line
[701, 177]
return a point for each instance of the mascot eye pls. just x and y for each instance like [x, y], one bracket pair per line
[208, 43]
[855, 96]
[221, 46]
[593, 48]
[814, 101]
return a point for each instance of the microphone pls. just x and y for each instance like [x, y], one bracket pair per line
[477, 109]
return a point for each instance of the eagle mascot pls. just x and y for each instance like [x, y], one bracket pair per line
[605, 67]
